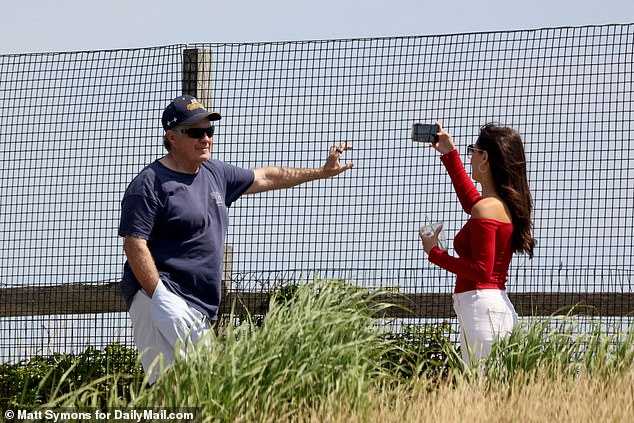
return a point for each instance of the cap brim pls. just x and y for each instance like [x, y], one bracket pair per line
[212, 116]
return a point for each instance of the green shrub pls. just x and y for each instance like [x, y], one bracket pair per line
[33, 382]
[423, 351]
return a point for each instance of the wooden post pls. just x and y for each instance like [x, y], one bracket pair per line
[197, 75]
[197, 78]
[227, 273]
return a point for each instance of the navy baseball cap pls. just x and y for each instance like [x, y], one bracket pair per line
[186, 110]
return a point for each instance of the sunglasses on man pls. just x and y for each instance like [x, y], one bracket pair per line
[198, 133]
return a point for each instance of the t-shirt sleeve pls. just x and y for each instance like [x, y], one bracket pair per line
[139, 209]
[480, 267]
[238, 181]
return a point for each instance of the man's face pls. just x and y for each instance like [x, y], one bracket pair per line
[190, 149]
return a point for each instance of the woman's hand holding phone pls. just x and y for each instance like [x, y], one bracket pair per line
[445, 141]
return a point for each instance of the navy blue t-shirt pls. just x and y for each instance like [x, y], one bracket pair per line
[184, 219]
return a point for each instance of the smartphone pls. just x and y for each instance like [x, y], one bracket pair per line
[423, 132]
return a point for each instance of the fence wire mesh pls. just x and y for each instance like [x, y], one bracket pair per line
[77, 127]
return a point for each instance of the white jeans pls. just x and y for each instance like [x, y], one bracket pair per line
[159, 323]
[484, 315]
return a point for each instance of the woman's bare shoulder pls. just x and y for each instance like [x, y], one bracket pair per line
[491, 208]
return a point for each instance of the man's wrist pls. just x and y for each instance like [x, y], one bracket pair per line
[325, 173]
[152, 289]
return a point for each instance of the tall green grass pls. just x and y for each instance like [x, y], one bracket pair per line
[322, 342]
[560, 346]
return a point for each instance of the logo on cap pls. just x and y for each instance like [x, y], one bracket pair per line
[195, 104]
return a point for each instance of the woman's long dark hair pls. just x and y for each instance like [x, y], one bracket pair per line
[508, 167]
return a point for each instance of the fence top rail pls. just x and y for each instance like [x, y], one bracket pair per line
[326, 40]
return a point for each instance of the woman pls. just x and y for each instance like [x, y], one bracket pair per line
[500, 225]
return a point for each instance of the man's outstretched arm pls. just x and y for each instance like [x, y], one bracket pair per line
[272, 178]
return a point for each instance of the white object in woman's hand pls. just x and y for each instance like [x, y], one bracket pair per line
[432, 236]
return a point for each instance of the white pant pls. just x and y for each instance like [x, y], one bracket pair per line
[162, 324]
[483, 314]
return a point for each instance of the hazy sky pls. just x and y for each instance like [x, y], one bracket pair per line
[68, 25]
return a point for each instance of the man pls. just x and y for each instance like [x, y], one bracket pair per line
[174, 219]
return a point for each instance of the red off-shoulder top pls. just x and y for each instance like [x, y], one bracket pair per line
[483, 245]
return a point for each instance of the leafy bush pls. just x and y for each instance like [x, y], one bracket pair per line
[423, 351]
[35, 381]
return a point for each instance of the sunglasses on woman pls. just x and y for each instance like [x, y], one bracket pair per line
[198, 133]
[471, 148]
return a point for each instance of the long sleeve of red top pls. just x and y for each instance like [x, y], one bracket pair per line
[463, 185]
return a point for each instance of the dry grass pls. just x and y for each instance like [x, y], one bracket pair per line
[536, 400]
[547, 399]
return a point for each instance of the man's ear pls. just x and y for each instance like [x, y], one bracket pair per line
[171, 135]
